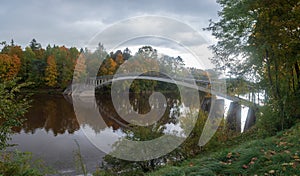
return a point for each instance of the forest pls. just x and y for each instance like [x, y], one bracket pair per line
[258, 43]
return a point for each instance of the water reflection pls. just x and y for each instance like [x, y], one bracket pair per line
[55, 113]
[51, 113]
[52, 126]
[49, 133]
[140, 104]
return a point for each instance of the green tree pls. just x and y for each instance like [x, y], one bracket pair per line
[13, 105]
[34, 45]
[26, 63]
[266, 35]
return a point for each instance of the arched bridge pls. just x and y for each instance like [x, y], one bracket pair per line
[215, 87]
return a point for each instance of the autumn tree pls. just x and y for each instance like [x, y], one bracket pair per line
[259, 41]
[51, 72]
[9, 66]
[108, 67]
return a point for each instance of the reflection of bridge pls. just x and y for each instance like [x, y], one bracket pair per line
[217, 88]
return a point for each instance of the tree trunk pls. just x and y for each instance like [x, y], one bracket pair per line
[278, 93]
[297, 74]
[269, 70]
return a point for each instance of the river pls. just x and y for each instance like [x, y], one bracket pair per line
[49, 133]
[51, 129]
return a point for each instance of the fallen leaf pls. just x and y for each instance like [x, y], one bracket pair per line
[294, 165]
[296, 157]
[245, 166]
[271, 172]
[229, 155]
[254, 159]
[282, 143]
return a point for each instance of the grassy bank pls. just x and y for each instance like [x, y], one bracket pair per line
[277, 155]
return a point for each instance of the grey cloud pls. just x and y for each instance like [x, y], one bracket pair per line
[73, 23]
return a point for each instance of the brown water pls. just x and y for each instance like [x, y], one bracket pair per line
[50, 132]
[52, 127]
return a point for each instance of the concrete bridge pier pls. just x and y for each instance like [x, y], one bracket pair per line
[206, 104]
[251, 119]
[234, 117]
[218, 109]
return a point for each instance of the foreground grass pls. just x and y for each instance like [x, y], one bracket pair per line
[15, 163]
[277, 155]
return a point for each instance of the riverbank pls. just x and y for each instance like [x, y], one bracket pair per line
[277, 155]
[244, 155]
[44, 91]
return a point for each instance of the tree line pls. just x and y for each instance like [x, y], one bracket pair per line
[53, 66]
[50, 67]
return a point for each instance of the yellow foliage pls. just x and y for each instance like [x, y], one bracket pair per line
[9, 66]
[51, 72]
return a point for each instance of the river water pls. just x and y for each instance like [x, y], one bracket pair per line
[52, 128]
[49, 133]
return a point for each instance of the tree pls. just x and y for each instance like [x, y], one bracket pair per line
[51, 72]
[34, 45]
[119, 57]
[26, 59]
[12, 108]
[148, 52]
[80, 69]
[108, 67]
[9, 66]
[266, 35]
[126, 54]
[37, 72]
[93, 59]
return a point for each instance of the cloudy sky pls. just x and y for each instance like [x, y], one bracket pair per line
[75, 23]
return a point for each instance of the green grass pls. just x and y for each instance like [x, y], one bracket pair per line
[277, 155]
[17, 163]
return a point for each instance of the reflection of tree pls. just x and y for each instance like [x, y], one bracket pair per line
[53, 113]
[139, 102]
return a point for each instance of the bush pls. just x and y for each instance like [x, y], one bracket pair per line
[13, 106]
[17, 164]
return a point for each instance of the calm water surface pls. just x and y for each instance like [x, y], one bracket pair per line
[52, 127]
[50, 132]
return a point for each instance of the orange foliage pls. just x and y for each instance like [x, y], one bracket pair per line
[119, 59]
[108, 67]
[9, 66]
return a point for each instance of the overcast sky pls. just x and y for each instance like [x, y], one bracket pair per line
[74, 22]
